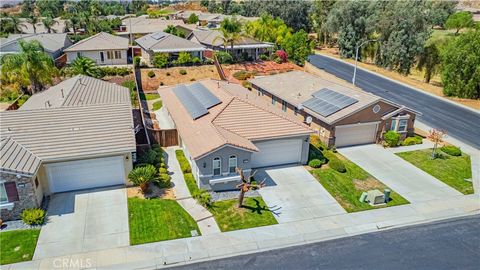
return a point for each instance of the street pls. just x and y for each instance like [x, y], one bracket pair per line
[459, 122]
[451, 244]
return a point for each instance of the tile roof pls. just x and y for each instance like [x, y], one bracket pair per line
[237, 121]
[100, 41]
[214, 38]
[70, 132]
[17, 159]
[296, 87]
[145, 25]
[50, 42]
[167, 43]
[78, 91]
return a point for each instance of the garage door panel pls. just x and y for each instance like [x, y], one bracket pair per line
[277, 152]
[91, 173]
[355, 134]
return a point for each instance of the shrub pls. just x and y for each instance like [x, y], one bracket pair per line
[163, 180]
[247, 85]
[160, 60]
[151, 74]
[242, 75]
[315, 163]
[161, 83]
[182, 72]
[202, 196]
[263, 57]
[168, 74]
[391, 138]
[136, 61]
[337, 165]
[8, 95]
[208, 61]
[451, 150]
[418, 139]
[184, 58]
[151, 157]
[141, 176]
[282, 56]
[409, 141]
[315, 141]
[224, 57]
[157, 105]
[33, 216]
[184, 164]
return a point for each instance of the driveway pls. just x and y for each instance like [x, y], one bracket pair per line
[83, 221]
[293, 194]
[412, 183]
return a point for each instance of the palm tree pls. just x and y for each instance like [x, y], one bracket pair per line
[85, 66]
[31, 68]
[33, 20]
[141, 176]
[231, 31]
[49, 22]
[16, 23]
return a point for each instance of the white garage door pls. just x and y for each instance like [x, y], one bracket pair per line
[89, 173]
[355, 134]
[277, 152]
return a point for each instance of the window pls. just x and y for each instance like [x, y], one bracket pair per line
[102, 57]
[217, 165]
[109, 54]
[284, 105]
[3, 193]
[274, 100]
[393, 126]
[118, 55]
[402, 125]
[232, 164]
[79, 54]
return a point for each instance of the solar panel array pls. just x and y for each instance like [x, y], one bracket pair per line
[326, 102]
[196, 98]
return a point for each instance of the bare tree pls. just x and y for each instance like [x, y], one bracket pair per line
[246, 185]
[436, 136]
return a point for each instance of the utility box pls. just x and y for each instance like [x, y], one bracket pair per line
[375, 197]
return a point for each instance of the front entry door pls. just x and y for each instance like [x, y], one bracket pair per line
[102, 57]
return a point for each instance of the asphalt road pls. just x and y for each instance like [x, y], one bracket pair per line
[452, 244]
[459, 122]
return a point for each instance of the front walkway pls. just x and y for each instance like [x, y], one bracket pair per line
[409, 181]
[293, 194]
[83, 221]
[206, 222]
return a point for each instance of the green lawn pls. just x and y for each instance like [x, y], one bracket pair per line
[153, 220]
[157, 105]
[149, 96]
[347, 187]
[18, 245]
[229, 217]
[449, 169]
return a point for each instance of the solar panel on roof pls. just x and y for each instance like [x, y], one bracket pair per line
[194, 107]
[203, 95]
[326, 102]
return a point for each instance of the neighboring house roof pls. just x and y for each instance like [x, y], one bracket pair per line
[144, 25]
[70, 132]
[27, 27]
[237, 121]
[51, 42]
[78, 91]
[15, 158]
[210, 17]
[214, 38]
[296, 87]
[164, 42]
[100, 41]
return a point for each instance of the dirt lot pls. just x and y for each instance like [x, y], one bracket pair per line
[415, 79]
[193, 74]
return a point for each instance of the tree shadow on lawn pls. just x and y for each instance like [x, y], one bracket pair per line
[259, 209]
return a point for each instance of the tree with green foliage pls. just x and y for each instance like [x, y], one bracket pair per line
[403, 30]
[142, 176]
[28, 8]
[31, 68]
[268, 29]
[461, 66]
[193, 18]
[184, 58]
[48, 23]
[33, 20]
[319, 16]
[298, 47]
[437, 11]
[49, 8]
[160, 60]
[171, 29]
[459, 21]
[429, 61]
[85, 66]
[231, 32]
[10, 24]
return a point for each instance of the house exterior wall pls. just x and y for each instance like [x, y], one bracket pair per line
[95, 56]
[27, 197]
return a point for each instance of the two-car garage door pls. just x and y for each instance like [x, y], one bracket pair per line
[89, 173]
[355, 134]
[277, 152]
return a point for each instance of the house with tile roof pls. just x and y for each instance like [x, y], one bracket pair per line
[78, 134]
[222, 126]
[103, 48]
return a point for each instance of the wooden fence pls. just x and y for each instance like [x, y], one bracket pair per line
[164, 137]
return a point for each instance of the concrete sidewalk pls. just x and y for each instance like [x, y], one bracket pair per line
[214, 246]
[404, 178]
[202, 216]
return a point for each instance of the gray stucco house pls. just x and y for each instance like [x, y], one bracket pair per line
[222, 126]
[54, 44]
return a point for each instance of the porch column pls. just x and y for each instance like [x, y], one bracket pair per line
[256, 53]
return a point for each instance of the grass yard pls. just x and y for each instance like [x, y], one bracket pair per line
[153, 220]
[149, 96]
[18, 245]
[449, 169]
[255, 213]
[157, 105]
[347, 187]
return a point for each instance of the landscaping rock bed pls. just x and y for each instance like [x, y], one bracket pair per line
[228, 195]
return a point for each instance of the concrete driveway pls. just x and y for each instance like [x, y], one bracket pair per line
[409, 181]
[83, 221]
[293, 194]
